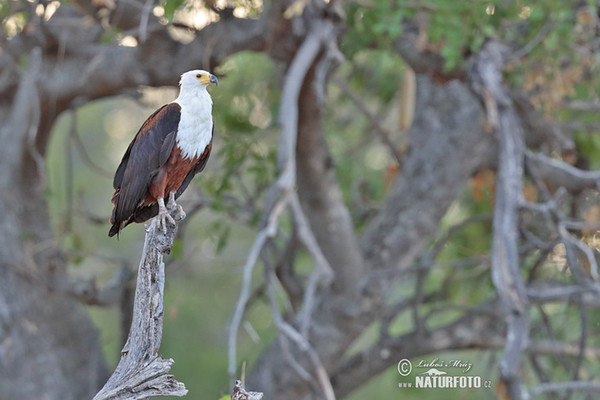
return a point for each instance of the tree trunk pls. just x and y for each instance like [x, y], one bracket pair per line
[49, 348]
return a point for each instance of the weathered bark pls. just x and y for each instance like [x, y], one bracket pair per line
[142, 372]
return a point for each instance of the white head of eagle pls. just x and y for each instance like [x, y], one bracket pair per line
[170, 148]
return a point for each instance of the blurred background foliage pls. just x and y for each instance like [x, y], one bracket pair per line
[225, 203]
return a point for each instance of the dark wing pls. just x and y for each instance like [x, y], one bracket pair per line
[148, 151]
[145, 213]
[198, 167]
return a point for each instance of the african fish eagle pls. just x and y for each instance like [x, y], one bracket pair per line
[170, 148]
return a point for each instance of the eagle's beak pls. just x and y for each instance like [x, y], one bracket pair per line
[213, 79]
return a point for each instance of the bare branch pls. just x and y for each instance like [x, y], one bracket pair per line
[285, 181]
[288, 118]
[486, 74]
[141, 372]
[542, 291]
[267, 232]
[560, 173]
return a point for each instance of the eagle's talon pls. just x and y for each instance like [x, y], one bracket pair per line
[164, 216]
[178, 213]
[162, 221]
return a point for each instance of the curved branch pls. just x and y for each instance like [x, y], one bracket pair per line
[486, 75]
[560, 173]
[281, 196]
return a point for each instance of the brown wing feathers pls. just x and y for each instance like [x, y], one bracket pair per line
[148, 151]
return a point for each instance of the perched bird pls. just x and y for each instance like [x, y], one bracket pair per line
[170, 148]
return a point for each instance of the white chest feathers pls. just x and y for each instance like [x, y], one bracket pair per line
[194, 131]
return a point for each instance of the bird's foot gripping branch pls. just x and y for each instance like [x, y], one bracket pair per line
[167, 215]
[160, 233]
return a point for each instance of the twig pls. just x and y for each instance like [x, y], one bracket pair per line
[141, 372]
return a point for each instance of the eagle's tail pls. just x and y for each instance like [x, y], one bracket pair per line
[142, 213]
[114, 230]
[116, 225]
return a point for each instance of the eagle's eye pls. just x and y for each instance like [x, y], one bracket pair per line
[198, 76]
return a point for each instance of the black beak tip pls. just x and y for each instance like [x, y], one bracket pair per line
[213, 79]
